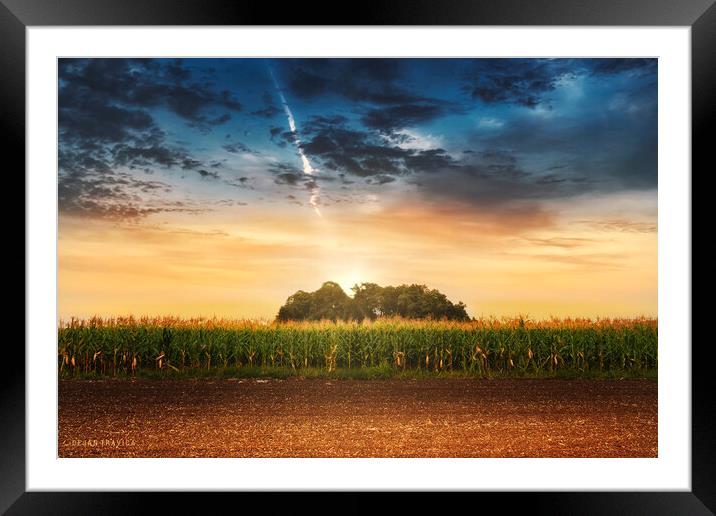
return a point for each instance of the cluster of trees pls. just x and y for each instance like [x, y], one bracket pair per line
[370, 301]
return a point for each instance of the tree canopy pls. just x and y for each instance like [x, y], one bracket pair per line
[370, 301]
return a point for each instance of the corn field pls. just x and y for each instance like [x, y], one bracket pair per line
[514, 347]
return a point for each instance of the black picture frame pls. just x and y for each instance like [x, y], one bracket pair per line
[17, 15]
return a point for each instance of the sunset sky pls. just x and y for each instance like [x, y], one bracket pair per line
[204, 187]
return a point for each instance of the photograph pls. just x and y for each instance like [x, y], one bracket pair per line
[357, 257]
[405, 248]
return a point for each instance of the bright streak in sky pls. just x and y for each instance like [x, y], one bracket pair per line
[307, 168]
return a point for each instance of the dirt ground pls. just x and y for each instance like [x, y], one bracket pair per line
[358, 418]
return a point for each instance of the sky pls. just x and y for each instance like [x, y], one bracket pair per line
[219, 187]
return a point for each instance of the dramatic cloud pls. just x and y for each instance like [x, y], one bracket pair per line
[529, 82]
[493, 132]
[369, 80]
[614, 66]
[145, 83]
[610, 149]
[92, 190]
[390, 118]
[342, 149]
[287, 175]
[106, 125]
[518, 81]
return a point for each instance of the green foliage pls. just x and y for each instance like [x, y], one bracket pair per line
[370, 301]
[515, 348]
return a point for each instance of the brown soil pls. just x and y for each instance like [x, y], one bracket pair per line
[358, 418]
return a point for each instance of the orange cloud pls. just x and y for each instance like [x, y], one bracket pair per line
[245, 261]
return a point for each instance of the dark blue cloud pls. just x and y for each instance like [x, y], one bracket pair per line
[493, 131]
[107, 121]
[529, 82]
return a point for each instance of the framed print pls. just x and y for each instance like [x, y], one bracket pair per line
[415, 250]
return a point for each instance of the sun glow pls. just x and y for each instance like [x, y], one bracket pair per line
[354, 276]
